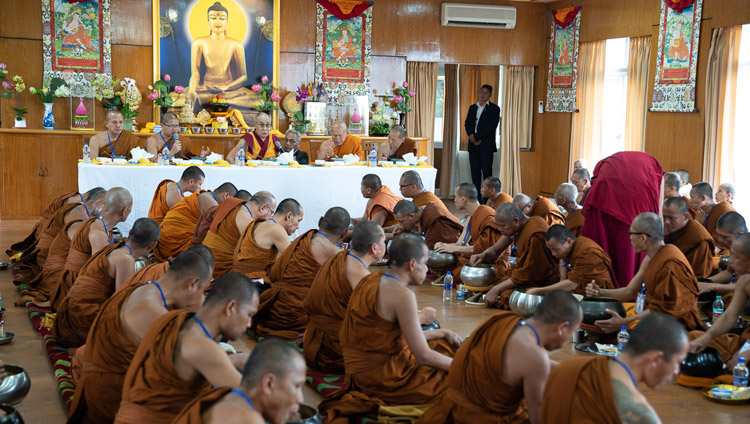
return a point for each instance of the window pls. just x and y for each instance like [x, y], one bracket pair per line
[440, 97]
[615, 96]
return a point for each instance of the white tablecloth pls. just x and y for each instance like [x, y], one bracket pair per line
[316, 188]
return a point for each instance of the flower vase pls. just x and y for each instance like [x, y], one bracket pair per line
[127, 125]
[301, 128]
[49, 119]
[402, 119]
[19, 123]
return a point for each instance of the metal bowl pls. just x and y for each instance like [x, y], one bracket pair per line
[218, 107]
[11, 415]
[524, 304]
[437, 260]
[15, 386]
[707, 364]
[595, 309]
[7, 338]
[478, 276]
[308, 415]
[434, 325]
[723, 262]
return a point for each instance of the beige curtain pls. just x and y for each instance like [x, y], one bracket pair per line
[450, 130]
[420, 122]
[639, 59]
[470, 79]
[515, 133]
[586, 126]
[721, 83]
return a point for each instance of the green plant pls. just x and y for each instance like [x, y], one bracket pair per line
[160, 92]
[402, 96]
[267, 94]
[380, 127]
[128, 113]
[104, 91]
[18, 86]
[51, 90]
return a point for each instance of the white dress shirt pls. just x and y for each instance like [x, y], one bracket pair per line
[480, 109]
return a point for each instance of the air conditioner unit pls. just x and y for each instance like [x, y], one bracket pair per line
[478, 16]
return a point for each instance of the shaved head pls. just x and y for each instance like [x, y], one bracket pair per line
[190, 264]
[243, 195]
[144, 232]
[412, 177]
[580, 163]
[264, 198]
[557, 307]
[289, 205]
[469, 191]
[677, 202]
[741, 245]
[270, 356]
[560, 233]
[204, 252]
[231, 286]
[112, 113]
[364, 235]
[404, 207]
[193, 173]
[521, 200]
[372, 182]
[493, 183]
[649, 224]
[684, 175]
[509, 211]
[117, 198]
[94, 194]
[567, 191]
[227, 188]
[732, 222]
[658, 332]
[582, 173]
[406, 247]
[336, 220]
[703, 189]
[672, 179]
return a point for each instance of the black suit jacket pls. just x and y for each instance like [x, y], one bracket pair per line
[488, 121]
[301, 157]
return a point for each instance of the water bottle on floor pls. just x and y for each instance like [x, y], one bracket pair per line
[718, 309]
[86, 153]
[372, 158]
[447, 286]
[623, 337]
[740, 373]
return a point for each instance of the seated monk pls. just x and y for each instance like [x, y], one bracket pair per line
[168, 192]
[270, 391]
[280, 313]
[98, 279]
[46, 215]
[154, 271]
[91, 237]
[729, 226]
[582, 180]
[604, 389]
[542, 207]
[413, 188]
[581, 262]
[672, 184]
[535, 265]
[259, 144]
[726, 193]
[329, 295]
[492, 191]
[122, 323]
[386, 354]
[671, 286]
[179, 358]
[230, 221]
[565, 196]
[114, 141]
[709, 212]
[380, 203]
[207, 218]
[505, 362]
[340, 144]
[263, 241]
[179, 223]
[689, 236]
[397, 146]
[168, 136]
[432, 221]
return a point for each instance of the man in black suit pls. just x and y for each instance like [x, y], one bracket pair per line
[481, 126]
[291, 142]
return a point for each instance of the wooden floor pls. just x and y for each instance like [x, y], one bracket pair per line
[673, 403]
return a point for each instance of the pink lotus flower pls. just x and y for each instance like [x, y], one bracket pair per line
[398, 99]
[2, 65]
[153, 95]
[411, 93]
[275, 97]
[405, 84]
[179, 89]
[264, 79]
[167, 77]
[256, 87]
[7, 85]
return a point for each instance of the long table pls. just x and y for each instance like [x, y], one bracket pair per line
[316, 188]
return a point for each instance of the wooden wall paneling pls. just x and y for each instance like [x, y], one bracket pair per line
[389, 19]
[421, 41]
[20, 19]
[22, 163]
[60, 156]
[298, 22]
[133, 62]
[25, 60]
[131, 22]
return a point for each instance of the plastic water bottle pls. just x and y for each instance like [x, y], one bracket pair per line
[640, 301]
[165, 155]
[740, 373]
[447, 285]
[86, 153]
[373, 158]
[718, 309]
[623, 337]
[241, 157]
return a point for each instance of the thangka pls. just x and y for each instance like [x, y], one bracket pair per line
[342, 47]
[563, 60]
[76, 42]
[677, 56]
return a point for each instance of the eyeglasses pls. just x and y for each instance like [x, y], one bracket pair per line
[263, 125]
[405, 185]
[171, 125]
[633, 233]
[290, 140]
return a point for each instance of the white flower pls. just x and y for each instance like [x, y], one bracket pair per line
[394, 115]
[377, 117]
[387, 91]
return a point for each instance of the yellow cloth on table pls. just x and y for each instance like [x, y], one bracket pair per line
[401, 413]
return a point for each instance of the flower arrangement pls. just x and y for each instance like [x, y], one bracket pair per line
[381, 120]
[160, 92]
[130, 97]
[7, 87]
[301, 98]
[104, 91]
[318, 93]
[51, 90]
[267, 94]
[401, 97]
[17, 86]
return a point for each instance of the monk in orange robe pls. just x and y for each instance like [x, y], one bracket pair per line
[259, 144]
[702, 199]
[386, 354]
[46, 215]
[329, 295]
[672, 184]
[98, 279]
[505, 362]
[280, 313]
[605, 390]
[581, 262]
[542, 207]
[178, 358]
[114, 141]
[168, 192]
[179, 223]
[492, 191]
[205, 221]
[92, 236]
[122, 323]
[565, 197]
[671, 286]
[413, 188]
[432, 221]
[341, 143]
[689, 236]
[380, 203]
[729, 226]
[397, 145]
[168, 137]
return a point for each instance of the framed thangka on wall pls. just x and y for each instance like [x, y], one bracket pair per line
[213, 47]
[563, 60]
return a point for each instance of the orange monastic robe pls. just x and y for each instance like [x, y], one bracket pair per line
[124, 143]
[78, 309]
[152, 391]
[159, 208]
[380, 367]
[203, 224]
[280, 313]
[482, 233]
[223, 235]
[193, 411]
[351, 145]
[325, 305]
[148, 273]
[36, 232]
[426, 197]
[574, 222]
[256, 146]
[177, 227]
[384, 199]
[439, 225]
[588, 261]
[579, 391]
[251, 259]
[697, 245]
[712, 219]
[408, 146]
[501, 198]
[548, 211]
[476, 392]
[105, 361]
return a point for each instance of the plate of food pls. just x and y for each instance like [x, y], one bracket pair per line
[727, 394]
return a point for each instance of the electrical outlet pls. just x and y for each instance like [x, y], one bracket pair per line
[541, 107]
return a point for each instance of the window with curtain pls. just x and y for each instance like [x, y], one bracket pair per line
[439, 98]
[615, 96]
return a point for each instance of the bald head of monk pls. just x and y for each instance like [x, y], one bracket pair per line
[94, 200]
[263, 203]
[262, 125]
[740, 257]
[370, 185]
[729, 226]
[524, 203]
[726, 193]
[192, 179]
[117, 204]
[408, 254]
[407, 214]
[243, 195]
[289, 214]
[273, 379]
[565, 196]
[672, 184]
[411, 184]
[232, 302]
[114, 122]
[701, 196]
[581, 179]
[335, 222]
[466, 197]
[143, 236]
[368, 237]
[560, 241]
[225, 191]
[339, 133]
[657, 346]
[676, 214]
[509, 219]
[580, 163]
[646, 231]
[190, 274]
[556, 319]
[491, 187]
